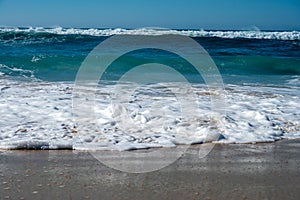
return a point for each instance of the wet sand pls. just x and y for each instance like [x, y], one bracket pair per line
[230, 171]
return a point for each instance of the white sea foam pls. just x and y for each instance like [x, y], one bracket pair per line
[256, 34]
[25, 73]
[294, 81]
[39, 115]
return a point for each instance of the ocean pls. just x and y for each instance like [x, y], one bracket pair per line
[38, 68]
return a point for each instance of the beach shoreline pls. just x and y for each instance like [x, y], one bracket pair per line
[229, 171]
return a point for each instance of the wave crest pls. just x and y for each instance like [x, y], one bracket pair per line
[256, 34]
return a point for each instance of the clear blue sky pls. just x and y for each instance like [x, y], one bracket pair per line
[207, 14]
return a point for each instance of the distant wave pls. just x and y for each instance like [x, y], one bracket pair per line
[274, 35]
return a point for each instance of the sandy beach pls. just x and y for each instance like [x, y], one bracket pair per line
[230, 171]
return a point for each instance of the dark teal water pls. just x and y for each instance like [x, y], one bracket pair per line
[57, 57]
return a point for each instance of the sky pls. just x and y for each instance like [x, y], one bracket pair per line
[184, 14]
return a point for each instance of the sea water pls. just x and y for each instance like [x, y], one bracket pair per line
[38, 67]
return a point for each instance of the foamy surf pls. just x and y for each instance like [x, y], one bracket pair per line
[38, 115]
[256, 34]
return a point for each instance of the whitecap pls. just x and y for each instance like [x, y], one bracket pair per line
[252, 34]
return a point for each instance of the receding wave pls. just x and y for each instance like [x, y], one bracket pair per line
[274, 35]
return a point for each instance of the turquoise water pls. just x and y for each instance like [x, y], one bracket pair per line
[57, 56]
